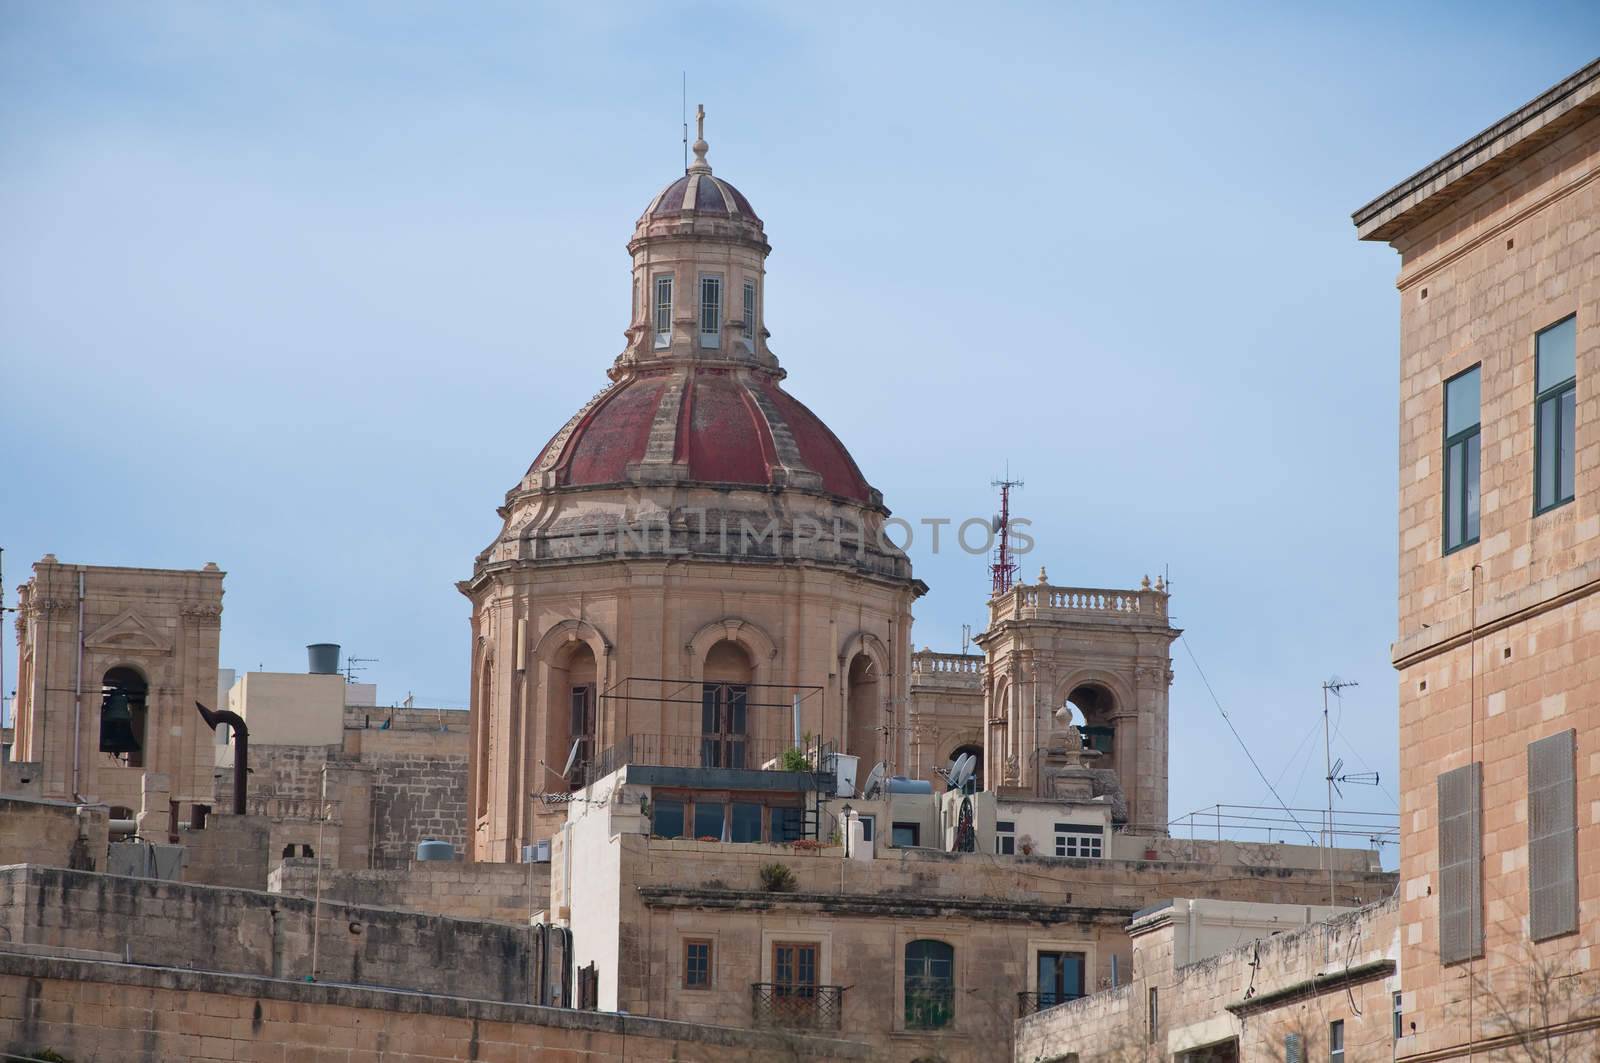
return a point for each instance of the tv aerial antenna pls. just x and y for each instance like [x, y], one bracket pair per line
[1335, 773]
[352, 665]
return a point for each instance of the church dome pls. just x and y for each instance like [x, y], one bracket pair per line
[709, 425]
[701, 194]
[695, 396]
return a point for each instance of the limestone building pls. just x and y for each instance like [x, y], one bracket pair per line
[1499, 549]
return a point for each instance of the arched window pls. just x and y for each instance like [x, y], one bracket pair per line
[581, 713]
[288, 851]
[724, 706]
[1095, 705]
[866, 710]
[123, 708]
[930, 984]
[485, 723]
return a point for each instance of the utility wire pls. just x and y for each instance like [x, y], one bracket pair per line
[1237, 737]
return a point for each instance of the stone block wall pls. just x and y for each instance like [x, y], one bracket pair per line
[229, 851]
[52, 833]
[88, 1010]
[492, 892]
[21, 778]
[238, 931]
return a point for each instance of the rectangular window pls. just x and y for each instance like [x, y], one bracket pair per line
[708, 819]
[1294, 1048]
[1005, 837]
[745, 824]
[1399, 1017]
[697, 965]
[1154, 1016]
[794, 968]
[1555, 414]
[1462, 429]
[1336, 1041]
[1060, 977]
[710, 311]
[666, 818]
[868, 826]
[750, 313]
[1080, 840]
[906, 835]
[1552, 836]
[663, 311]
[1461, 864]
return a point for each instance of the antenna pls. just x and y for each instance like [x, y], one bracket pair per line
[1335, 686]
[352, 665]
[685, 106]
[966, 638]
[1004, 567]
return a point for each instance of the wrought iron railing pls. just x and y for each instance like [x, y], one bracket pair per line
[1028, 1003]
[694, 751]
[797, 1007]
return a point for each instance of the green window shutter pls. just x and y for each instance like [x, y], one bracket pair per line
[1461, 864]
[1552, 836]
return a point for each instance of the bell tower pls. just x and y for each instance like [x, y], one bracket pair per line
[112, 663]
[1092, 659]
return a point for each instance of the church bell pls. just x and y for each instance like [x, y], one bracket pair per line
[116, 725]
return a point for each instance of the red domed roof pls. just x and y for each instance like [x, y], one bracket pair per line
[707, 425]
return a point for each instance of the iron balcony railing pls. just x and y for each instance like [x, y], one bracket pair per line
[695, 751]
[1028, 1003]
[797, 1007]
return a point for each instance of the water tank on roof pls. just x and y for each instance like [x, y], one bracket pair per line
[323, 658]
[899, 784]
[432, 849]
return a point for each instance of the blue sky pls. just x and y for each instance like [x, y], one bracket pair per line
[302, 291]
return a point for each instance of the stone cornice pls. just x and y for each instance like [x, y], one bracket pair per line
[1513, 138]
[1316, 984]
[919, 906]
[1496, 615]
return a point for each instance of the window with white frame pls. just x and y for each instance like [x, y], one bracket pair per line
[710, 311]
[1005, 837]
[663, 311]
[750, 313]
[1081, 840]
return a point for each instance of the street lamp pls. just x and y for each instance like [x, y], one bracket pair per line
[846, 811]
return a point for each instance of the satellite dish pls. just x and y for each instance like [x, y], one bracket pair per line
[874, 783]
[948, 774]
[572, 759]
[964, 767]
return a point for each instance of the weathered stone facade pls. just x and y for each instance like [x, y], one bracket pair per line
[80, 627]
[1246, 1003]
[92, 1009]
[1498, 638]
[501, 893]
[634, 902]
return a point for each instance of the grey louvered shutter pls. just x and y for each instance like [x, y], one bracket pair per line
[1461, 864]
[1552, 836]
[1293, 1049]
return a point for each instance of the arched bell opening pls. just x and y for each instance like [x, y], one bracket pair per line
[124, 708]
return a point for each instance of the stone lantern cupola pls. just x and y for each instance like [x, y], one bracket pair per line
[699, 253]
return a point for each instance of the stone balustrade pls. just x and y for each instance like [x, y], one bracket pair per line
[1041, 600]
[930, 668]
